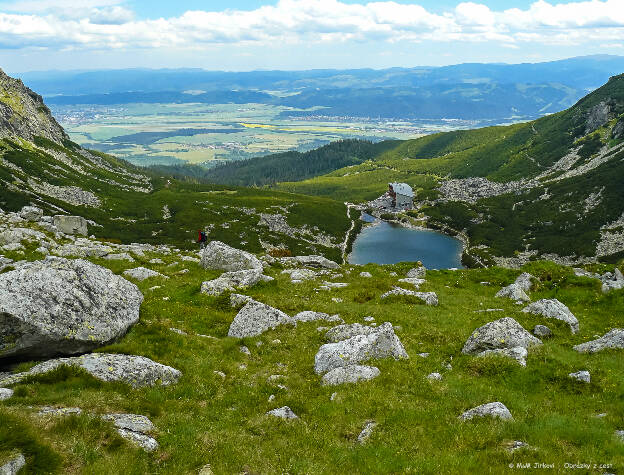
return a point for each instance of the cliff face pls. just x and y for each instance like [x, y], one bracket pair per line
[23, 113]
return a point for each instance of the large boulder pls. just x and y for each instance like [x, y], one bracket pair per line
[492, 409]
[71, 224]
[513, 292]
[220, 256]
[60, 306]
[255, 318]
[504, 333]
[417, 273]
[525, 281]
[136, 371]
[614, 340]
[230, 281]
[552, 308]
[310, 261]
[383, 343]
[17, 235]
[31, 213]
[346, 331]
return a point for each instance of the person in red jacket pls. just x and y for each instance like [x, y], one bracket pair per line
[202, 238]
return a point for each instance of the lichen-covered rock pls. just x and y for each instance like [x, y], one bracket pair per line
[434, 377]
[60, 306]
[71, 224]
[525, 281]
[220, 256]
[31, 213]
[518, 353]
[514, 292]
[5, 393]
[230, 281]
[283, 413]
[142, 273]
[13, 465]
[122, 256]
[367, 431]
[346, 331]
[383, 343]
[499, 334]
[136, 371]
[255, 318]
[238, 300]
[491, 409]
[614, 339]
[146, 442]
[59, 411]
[350, 374]
[17, 235]
[417, 273]
[552, 308]
[133, 422]
[582, 376]
[310, 261]
[310, 316]
[542, 331]
[430, 298]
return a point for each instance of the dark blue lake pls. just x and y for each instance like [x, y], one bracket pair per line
[387, 243]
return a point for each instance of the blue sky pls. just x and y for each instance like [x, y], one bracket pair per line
[301, 34]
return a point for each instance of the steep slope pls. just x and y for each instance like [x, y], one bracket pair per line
[550, 187]
[39, 165]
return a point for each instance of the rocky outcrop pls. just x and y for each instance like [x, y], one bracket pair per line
[255, 318]
[24, 115]
[31, 213]
[350, 374]
[309, 261]
[137, 371]
[135, 428]
[429, 298]
[552, 308]
[417, 273]
[71, 224]
[598, 116]
[60, 306]
[612, 340]
[220, 256]
[231, 281]
[383, 343]
[502, 337]
[492, 409]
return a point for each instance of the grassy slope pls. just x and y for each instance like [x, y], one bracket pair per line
[205, 419]
[192, 206]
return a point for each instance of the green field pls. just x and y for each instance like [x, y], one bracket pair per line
[147, 134]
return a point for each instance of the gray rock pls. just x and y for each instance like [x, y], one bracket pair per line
[434, 377]
[417, 273]
[415, 282]
[17, 235]
[142, 273]
[59, 411]
[136, 371]
[283, 413]
[366, 274]
[614, 339]
[350, 374]
[620, 434]
[5, 393]
[518, 353]
[71, 224]
[61, 306]
[582, 376]
[430, 298]
[525, 281]
[230, 281]
[491, 409]
[310, 261]
[132, 422]
[156, 261]
[146, 442]
[513, 292]
[382, 343]
[238, 300]
[299, 275]
[122, 256]
[309, 316]
[346, 331]
[504, 333]
[220, 256]
[13, 465]
[255, 318]
[31, 213]
[243, 349]
[516, 445]
[542, 331]
[366, 432]
[552, 308]
[612, 281]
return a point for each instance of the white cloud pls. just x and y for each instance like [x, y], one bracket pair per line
[98, 24]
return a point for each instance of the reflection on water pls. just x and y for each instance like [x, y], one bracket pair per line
[388, 243]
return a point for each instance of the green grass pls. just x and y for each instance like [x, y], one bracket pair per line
[206, 419]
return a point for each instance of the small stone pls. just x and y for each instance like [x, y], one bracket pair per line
[178, 331]
[423, 355]
[542, 331]
[333, 396]
[434, 377]
[60, 411]
[277, 341]
[516, 445]
[283, 413]
[5, 393]
[206, 470]
[582, 376]
[146, 442]
[272, 398]
[245, 350]
[365, 274]
[220, 373]
[491, 409]
[133, 422]
[366, 432]
[13, 465]
[369, 319]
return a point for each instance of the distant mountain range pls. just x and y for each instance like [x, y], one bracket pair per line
[464, 91]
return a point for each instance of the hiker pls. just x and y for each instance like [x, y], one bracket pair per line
[202, 238]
